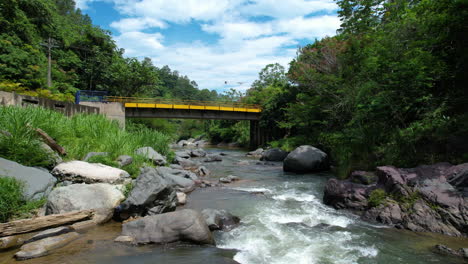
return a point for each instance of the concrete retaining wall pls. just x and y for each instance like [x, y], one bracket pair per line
[113, 111]
[66, 108]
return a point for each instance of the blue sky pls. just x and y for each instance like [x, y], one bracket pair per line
[213, 41]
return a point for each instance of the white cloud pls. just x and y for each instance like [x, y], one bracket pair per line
[245, 44]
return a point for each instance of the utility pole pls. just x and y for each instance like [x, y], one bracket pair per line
[49, 45]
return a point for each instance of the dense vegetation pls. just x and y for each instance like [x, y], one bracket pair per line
[83, 56]
[12, 202]
[389, 88]
[79, 135]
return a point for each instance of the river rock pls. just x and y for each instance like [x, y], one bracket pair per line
[202, 171]
[94, 154]
[418, 199]
[256, 153]
[79, 171]
[184, 225]
[49, 233]
[213, 158]
[183, 154]
[77, 197]
[444, 250]
[37, 183]
[54, 157]
[181, 198]
[11, 241]
[44, 246]
[151, 194]
[197, 153]
[224, 180]
[180, 180]
[200, 143]
[124, 160]
[220, 219]
[187, 164]
[274, 154]
[306, 159]
[151, 154]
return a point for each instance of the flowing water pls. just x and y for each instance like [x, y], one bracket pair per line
[283, 221]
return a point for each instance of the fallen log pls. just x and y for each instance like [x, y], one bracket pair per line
[39, 223]
[51, 142]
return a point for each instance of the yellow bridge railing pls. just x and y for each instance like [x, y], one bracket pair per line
[135, 102]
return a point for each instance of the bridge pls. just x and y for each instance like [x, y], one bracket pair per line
[134, 107]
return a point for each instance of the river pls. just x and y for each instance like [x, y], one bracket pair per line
[283, 221]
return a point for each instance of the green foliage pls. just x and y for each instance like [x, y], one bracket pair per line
[79, 135]
[377, 197]
[127, 189]
[12, 202]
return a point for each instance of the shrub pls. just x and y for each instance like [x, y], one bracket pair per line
[377, 197]
[12, 202]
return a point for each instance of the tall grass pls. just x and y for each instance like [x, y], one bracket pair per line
[79, 135]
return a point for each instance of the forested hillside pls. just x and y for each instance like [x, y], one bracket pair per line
[389, 88]
[83, 56]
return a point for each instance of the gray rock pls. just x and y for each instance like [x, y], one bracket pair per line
[184, 225]
[93, 154]
[77, 197]
[45, 246]
[256, 153]
[363, 177]
[225, 180]
[37, 183]
[124, 160]
[274, 154]
[180, 180]
[444, 250]
[345, 194]
[54, 157]
[49, 233]
[220, 219]
[187, 164]
[182, 143]
[151, 192]
[200, 143]
[181, 198]
[183, 154]
[197, 152]
[202, 171]
[212, 158]
[306, 159]
[176, 167]
[233, 178]
[11, 241]
[80, 171]
[151, 154]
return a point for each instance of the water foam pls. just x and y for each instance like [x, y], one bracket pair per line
[284, 230]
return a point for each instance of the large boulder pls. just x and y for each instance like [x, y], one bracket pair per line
[274, 154]
[256, 153]
[37, 183]
[187, 164]
[151, 154]
[199, 152]
[181, 180]
[151, 194]
[306, 159]
[422, 199]
[213, 158]
[183, 154]
[77, 197]
[220, 219]
[80, 171]
[184, 225]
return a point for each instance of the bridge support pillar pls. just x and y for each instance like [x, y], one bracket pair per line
[257, 135]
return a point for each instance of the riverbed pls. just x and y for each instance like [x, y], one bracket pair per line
[283, 221]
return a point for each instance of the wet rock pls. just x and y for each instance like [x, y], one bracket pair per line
[181, 198]
[150, 192]
[444, 250]
[233, 178]
[203, 171]
[243, 163]
[176, 167]
[151, 154]
[37, 183]
[345, 194]
[124, 160]
[49, 233]
[94, 154]
[184, 225]
[45, 246]
[256, 153]
[222, 153]
[183, 154]
[457, 176]
[124, 239]
[213, 158]
[220, 219]
[10, 242]
[80, 171]
[198, 153]
[77, 197]
[274, 154]
[306, 159]
[225, 180]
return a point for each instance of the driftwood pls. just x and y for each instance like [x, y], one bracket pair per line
[38, 223]
[51, 142]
